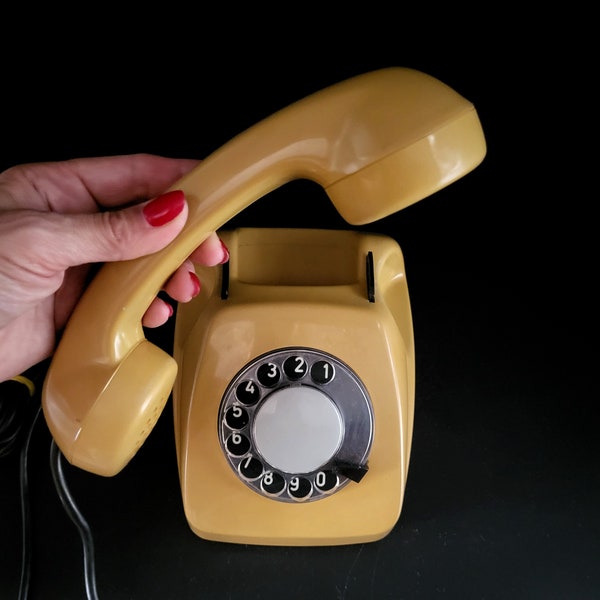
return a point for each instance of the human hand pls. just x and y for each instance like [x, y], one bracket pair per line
[59, 218]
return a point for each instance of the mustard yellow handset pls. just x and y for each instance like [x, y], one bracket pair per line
[376, 143]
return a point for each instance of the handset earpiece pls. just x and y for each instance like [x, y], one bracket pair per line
[376, 143]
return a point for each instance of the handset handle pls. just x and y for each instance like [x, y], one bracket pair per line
[376, 143]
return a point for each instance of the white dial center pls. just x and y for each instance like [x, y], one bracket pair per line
[297, 429]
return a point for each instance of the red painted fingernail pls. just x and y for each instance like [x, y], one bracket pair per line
[164, 208]
[225, 253]
[196, 283]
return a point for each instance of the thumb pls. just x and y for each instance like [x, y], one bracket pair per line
[119, 234]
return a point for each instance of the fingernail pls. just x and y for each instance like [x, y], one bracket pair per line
[164, 208]
[195, 283]
[170, 309]
[225, 253]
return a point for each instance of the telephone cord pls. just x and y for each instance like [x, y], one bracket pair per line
[13, 421]
[26, 511]
[75, 515]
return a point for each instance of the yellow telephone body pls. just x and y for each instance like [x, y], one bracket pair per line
[307, 289]
[376, 143]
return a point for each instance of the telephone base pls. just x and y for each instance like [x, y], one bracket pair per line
[296, 370]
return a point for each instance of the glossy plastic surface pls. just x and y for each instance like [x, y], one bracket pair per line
[322, 305]
[377, 143]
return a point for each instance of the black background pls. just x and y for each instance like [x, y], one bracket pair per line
[503, 492]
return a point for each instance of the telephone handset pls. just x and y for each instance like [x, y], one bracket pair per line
[376, 143]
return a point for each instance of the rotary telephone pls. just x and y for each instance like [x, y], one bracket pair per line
[292, 373]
